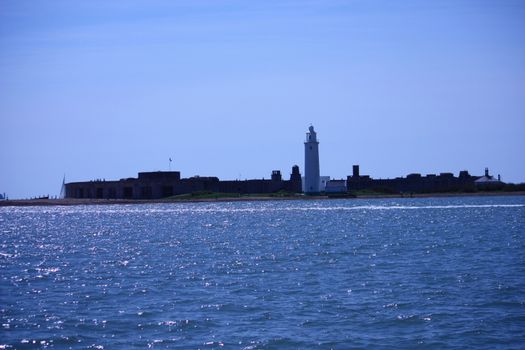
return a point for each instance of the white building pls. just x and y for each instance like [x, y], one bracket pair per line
[488, 181]
[336, 186]
[323, 180]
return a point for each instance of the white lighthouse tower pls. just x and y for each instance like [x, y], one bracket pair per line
[311, 163]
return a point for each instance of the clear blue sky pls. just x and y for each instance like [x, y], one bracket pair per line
[104, 89]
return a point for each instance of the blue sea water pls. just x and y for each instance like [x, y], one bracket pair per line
[432, 273]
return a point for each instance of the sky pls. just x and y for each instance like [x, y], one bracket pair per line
[103, 89]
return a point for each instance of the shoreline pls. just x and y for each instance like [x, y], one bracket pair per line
[91, 201]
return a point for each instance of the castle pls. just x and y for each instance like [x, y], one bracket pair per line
[416, 183]
[163, 184]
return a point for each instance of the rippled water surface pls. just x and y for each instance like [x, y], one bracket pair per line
[404, 273]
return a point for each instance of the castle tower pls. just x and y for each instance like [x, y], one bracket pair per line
[311, 163]
[296, 183]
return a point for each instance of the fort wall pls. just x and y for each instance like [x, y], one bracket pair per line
[413, 183]
[162, 184]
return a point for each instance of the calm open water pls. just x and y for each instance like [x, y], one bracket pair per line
[428, 273]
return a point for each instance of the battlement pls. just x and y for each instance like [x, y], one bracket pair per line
[162, 184]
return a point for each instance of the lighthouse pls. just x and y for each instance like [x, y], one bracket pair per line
[311, 163]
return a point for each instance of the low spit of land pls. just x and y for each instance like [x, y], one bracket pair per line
[228, 197]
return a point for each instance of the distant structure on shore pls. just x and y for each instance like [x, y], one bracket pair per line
[416, 183]
[163, 184]
[312, 175]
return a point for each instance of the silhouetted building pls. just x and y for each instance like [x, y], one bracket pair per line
[162, 184]
[416, 183]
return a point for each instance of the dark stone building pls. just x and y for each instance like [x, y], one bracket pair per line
[414, 183]
[162, 184]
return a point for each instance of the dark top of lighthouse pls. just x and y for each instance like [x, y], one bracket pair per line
[311, 136]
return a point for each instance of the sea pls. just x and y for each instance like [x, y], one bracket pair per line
[407, 273]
